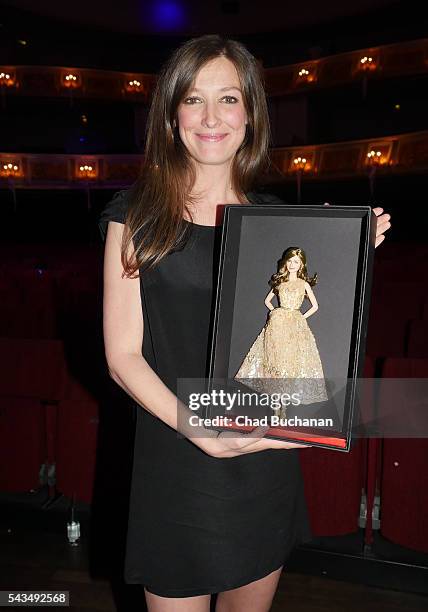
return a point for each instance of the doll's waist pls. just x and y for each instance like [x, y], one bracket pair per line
[288, 309]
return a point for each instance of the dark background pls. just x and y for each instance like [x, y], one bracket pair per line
[140, 36]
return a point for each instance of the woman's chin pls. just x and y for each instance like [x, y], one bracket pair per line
[214, 159]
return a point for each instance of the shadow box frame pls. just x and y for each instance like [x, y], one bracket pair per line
[253, 229]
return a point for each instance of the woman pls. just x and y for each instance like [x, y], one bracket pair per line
[286, 349]
[208, 513]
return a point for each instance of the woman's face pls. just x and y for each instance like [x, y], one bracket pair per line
[212, 117]
[293, 264]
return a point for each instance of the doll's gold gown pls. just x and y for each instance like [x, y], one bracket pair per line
[285, 349]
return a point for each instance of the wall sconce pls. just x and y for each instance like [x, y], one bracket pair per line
[367, 63]
[71, 79]
[10, 169]
[379, 154]
[374, 158]
[134, 85]
[300, 163]
[7, 78]
[306, 75]
[86, 169]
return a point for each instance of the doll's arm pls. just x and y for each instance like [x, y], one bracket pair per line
[268, 300]
[313, 301]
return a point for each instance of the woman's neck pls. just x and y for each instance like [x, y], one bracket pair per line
[212, 190]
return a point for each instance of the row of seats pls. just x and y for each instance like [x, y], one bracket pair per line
[51, 412]
[400, 267]
[398, 318]
[394, 338]
[50, 304]
[49, 403]
[393, 467]
[56, 303]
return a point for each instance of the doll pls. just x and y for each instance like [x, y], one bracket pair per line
[285, 349]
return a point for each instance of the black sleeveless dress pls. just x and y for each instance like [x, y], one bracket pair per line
[199, 524]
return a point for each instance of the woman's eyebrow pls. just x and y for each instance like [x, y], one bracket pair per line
[221, 89]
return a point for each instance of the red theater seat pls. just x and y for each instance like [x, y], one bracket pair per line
[77, 429]
[404, 494]
[333, 484]
[393, 304]
[31, 383]
[28, 307]
[22, 443]
[405, 367]
[47, 417]
[386, 336]
[425, 310]
[32, 368]
[417, 345]
[334, 480]
[400, 403]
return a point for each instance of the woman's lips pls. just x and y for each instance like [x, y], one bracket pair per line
[209, 138]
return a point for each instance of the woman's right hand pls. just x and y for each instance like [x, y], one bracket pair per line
[233, 444]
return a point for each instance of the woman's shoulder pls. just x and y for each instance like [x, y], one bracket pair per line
[114, 210]
[262, 196]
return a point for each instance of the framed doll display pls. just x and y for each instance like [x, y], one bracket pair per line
[291, 315]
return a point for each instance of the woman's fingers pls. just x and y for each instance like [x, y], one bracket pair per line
[243, 442]
[383, 224]
[379, 240]
[258, 432]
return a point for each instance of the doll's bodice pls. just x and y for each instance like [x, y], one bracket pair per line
[291, 294]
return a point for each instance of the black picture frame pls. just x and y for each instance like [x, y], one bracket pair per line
[339, 242]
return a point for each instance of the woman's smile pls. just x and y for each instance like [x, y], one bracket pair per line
[211, 137]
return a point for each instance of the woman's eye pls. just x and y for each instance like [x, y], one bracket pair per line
[193, 99]
[190, 99]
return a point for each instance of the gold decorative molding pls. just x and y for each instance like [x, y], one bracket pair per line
[49, 171]
[58, 81]
[400, 59]
[404, 153]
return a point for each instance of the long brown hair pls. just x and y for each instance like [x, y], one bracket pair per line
[282, 275]
[161, 194]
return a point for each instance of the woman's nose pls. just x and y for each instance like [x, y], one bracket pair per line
[210, 117]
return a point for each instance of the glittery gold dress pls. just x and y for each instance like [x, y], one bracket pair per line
[284, 357]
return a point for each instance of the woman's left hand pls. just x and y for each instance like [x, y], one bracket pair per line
[383, 224]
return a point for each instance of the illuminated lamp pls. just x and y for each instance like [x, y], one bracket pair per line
[367, 63]
[86, 169]
[300, 163]
[10, 169]
[134, 85]
[306, 75]
[7, 78]
[70, 79]
[378, 155]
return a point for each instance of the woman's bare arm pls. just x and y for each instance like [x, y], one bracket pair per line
[123, 339]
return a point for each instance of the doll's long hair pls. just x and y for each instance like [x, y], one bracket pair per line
[161, 193]
[282, 275]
